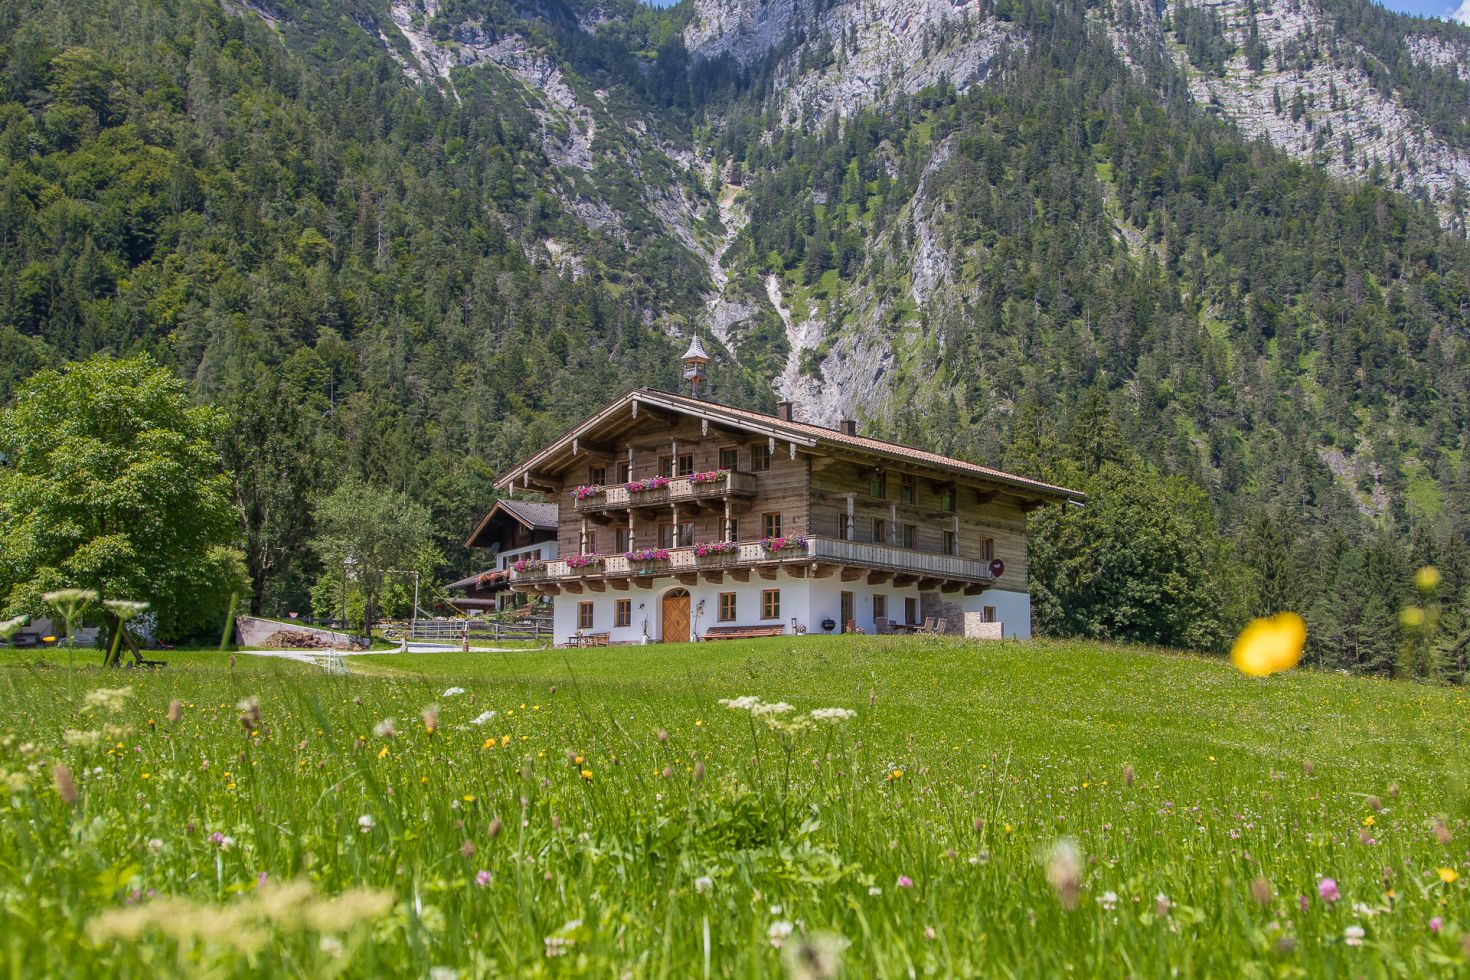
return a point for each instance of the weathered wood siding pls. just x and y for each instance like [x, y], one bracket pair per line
[782, 489]
[1000, 520]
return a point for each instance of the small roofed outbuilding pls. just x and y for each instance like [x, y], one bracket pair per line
[513, 530]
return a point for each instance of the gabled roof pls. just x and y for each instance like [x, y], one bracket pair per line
[534, 515]
[564, 450]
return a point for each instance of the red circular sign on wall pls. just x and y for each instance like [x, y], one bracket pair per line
[997, 568]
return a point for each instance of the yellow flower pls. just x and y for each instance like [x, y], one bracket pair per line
[489, 743]
[1269, 645]
[1008, 828]
[1369, 821]
[586, 773]
[423, 779]
[1411, 617]
[504, 740]
[578, 760]
[144, 776]
[895, 774]
[1427, 578]
[469, 797]
[1449, 875]
[383, 753]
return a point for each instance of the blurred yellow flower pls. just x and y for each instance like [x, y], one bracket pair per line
[383, 753]
[586, 773]
[895, 774]
[489, 743]
[1368, 821]
[1411, 617]
[1449, 875]
[1269, 644]
[1427, 578]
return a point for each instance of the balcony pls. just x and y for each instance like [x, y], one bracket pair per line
[821, 558]
[681, 490]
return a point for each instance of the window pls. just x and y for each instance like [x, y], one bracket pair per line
[727, 607]
[947, 497]
[911, 610]
[880, 531]
[989, 614]
[987, 549]
[584, 615]
[597, 475]
[623, 538]
[730, 458]
[686, 464]
[950, 543]
[907, 489]
[733, 531]
[772, 525]
[845, 527]
[878, 486]
[910, 536]
[623, 612]
[666, 466]
[625, 472]
[676, 535]
[880, 607]
[591, 546]
[760, 457]
[771, 604]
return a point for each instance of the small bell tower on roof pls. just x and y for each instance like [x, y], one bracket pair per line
[696, 363]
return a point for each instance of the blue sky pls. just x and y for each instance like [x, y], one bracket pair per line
[1431, 8]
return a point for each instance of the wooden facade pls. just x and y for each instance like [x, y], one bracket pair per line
[874, 514]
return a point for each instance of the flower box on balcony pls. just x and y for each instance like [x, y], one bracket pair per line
[644, 556]
[715, 549]
[584, 561]
[588, 490]
[775, 546]
[490, 578]
[526, 565]
[709, 476]
[652, 483]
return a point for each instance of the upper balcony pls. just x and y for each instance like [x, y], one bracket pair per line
[693, 489]
[817, 558]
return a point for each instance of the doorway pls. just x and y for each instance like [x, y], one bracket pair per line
[847, 613]
[675, 619]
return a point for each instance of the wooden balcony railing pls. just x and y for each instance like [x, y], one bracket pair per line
[818, 551]
[681, 489]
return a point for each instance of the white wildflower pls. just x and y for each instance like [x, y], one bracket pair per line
[1353, 935]
[385, 729]
[81, 740]
[746, 702]
[366, 823]
[703, 884]
[833, 716]
[483, 717]
[779, 708]
[450, 692]
[1109, 900]
[778, 932]
[109, 698]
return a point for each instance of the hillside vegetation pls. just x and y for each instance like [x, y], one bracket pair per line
[413, 271]
[1004, 808]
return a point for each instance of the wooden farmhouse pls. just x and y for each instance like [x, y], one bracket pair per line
[512, 531]
[680, 518]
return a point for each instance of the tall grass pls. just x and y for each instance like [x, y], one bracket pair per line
[612, 818]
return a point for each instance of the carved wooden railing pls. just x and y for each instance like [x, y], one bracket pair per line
[679, 490]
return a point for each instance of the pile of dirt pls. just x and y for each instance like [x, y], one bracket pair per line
[295, 640]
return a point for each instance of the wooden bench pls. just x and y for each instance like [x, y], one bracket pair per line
[742, 632]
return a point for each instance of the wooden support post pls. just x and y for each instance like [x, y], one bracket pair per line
[893, 524]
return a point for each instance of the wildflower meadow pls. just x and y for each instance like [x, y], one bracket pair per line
[818, 806]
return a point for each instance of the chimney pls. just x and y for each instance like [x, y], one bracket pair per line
[848, 427]
[784, 411]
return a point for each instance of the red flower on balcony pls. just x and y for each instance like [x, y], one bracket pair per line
[647, 554]
[584, 561]
[652, 483]
[785, 543]
[528, 565]
[588, 490]
[709, 476]
[705, 549]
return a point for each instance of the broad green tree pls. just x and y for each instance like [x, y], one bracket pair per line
[112, 482]
[365, 531]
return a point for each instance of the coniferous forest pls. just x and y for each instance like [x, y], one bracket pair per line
[1259, 372]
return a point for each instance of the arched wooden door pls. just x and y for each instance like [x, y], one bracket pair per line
[675, 617]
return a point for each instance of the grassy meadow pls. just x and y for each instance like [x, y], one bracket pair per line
[1003, 809]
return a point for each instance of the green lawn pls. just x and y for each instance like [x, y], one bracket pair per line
[920, 834]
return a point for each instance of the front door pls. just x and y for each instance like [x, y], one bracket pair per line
[847, 612]
[675, 617]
